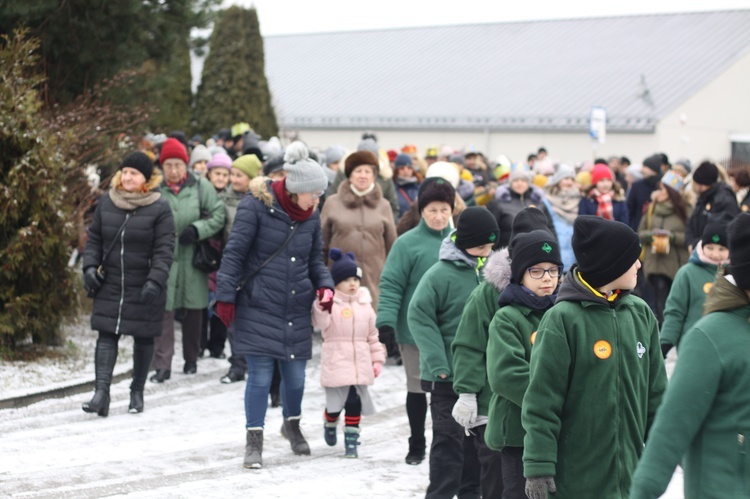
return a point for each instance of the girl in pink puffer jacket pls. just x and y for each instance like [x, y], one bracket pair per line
[352, 355]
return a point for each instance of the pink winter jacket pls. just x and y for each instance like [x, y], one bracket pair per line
[350, 340]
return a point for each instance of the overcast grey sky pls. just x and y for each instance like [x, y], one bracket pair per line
[281, 17]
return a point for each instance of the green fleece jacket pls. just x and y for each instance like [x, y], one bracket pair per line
[469, 348]
[684, 304]
[413, 253]
[705, 415]
[596, 378]
[508, 353]
[435, 309]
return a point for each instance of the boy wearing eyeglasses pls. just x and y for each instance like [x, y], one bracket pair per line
[596, 374]
[535, 267]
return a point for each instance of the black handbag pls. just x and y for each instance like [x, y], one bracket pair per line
[252, 274]
[206, 258]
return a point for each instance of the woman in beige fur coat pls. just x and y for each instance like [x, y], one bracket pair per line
[359, 220]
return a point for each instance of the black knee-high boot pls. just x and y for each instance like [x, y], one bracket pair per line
[143, 352]
[104, 363]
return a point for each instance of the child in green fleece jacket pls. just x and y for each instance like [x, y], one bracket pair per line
[434, 313]
[704, 420]
[536, 268]
[596, 373]
[693, 282]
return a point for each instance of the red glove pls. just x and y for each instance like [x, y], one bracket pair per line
[325, 297]
[225, 311]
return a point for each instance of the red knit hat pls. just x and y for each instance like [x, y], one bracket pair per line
[173, 148]
[600, 172]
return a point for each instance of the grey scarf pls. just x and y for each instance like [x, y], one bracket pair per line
[129, 201]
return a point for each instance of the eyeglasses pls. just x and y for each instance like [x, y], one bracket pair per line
[316, 195]
[538, 272]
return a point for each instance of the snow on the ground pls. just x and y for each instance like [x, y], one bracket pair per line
[189, 441]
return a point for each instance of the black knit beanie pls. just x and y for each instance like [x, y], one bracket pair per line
[344, 266]
[528, 219]
[140, 162]
[476, 226]
[653, 163]
[739, 250]
[435, 189]
[707, 173]
[604, 249]
[528, 249]
[715, 231]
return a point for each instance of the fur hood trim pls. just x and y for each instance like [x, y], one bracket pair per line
[351, 200]
[260, 190]
[497, 269]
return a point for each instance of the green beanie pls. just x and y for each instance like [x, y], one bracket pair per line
[249, 164]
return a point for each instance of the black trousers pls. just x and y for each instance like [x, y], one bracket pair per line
[514, 483]
[454, 462]
[661, 285]
[491, 466]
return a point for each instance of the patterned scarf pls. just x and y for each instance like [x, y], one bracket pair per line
[604, 201]
[285, 200]
[176, 187]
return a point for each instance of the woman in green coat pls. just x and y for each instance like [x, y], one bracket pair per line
[704, 420]
[411, 256]
[187, 287]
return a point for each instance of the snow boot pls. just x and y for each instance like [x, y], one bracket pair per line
[254, 449]
[329, 432]
[143, 353]
[291, 431]
[104, 363]
[416, 450]
[351, 441]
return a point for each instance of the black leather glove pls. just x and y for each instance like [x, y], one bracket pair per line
[537, 486]
[387, 337]
[90, 283]
[150, 292]
[665, 348]
[189, 235]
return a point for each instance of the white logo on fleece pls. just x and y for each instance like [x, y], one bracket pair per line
[640, 350]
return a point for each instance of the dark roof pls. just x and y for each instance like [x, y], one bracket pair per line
[541, 75]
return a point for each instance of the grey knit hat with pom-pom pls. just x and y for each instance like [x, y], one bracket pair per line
[302, 173]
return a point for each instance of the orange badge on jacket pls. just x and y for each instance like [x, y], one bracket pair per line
[602, 349]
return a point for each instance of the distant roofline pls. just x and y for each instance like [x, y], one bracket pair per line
[624, 124]
[528, 21]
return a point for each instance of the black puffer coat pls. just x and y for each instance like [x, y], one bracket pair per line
[718, 199]
[143, 251]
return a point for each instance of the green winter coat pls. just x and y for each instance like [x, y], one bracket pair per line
[508, 354]
[663, 216]
[413, 253]
[231, 200]
[705, 415]
[187, 286]
[435, 309]
[596, 378]
[684, 304]
[469, 348]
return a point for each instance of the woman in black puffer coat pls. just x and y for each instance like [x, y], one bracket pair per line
[137, 257]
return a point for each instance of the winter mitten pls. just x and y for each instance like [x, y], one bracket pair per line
[537, 486]
[376, 369]
[150, 292]
[189, 236]
[665, 348]
[388, 338]
[465, 409]
[225, 311]
[90, 282]
[325, 297]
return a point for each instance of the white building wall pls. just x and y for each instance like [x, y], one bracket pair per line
[700, 127]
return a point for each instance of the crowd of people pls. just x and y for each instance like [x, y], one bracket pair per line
[535, 302]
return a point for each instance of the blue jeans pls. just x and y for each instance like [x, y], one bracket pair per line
[259, 375]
